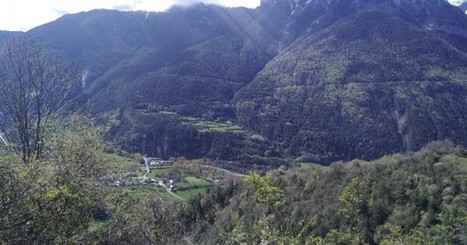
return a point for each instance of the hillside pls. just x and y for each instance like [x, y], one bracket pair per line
[4, 35]
[365, 86]
[320, 80]
[416, 198]
[463, 6]
[402, 199]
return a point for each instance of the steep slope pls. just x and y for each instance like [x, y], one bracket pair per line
[4, 35]
[144, 58]
[421, 195]
[375, 81]
[322, 79]
[463, 6]
[168, 73]
[98, 40]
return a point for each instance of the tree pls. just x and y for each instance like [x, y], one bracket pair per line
[52, 200]
[352, 202]
[267, 192]
[34, 84]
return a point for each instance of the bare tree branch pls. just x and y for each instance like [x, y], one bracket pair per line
[34, 85]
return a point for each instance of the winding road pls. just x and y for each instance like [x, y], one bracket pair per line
[161, 184]
[224, 170]
[3, 139]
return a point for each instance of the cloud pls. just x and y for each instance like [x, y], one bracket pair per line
[124, 7]
[190, 2]
[22, 15]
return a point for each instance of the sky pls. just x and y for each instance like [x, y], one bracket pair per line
[22, 15]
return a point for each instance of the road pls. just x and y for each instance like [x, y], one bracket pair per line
[161, 184]
[3, 139]
[224, 170]
[145, 176]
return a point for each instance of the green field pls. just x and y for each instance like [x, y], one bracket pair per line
[158, 172]
[191, 193]
[122, 165]
[141, 192]
[190, 180]
[196, 182]
[210, 126]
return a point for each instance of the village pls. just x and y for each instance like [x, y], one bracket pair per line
[175, 178]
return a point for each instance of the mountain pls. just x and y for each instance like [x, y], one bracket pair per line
[363, 80]
[168, 75]
[4, 35]
[323, 80]
[462, 4]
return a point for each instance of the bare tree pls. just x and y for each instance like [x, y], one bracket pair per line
[35, 82]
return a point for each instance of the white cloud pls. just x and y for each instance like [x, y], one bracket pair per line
[22, 15]
[457, 2]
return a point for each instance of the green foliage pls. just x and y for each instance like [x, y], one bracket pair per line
[54, 199]
[171, 135]
[193, 181]
[402, 199]
[368, 85]
[193, 192]
[323, 82]
[267, 192]
[352, 203]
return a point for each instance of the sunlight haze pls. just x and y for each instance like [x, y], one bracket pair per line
[22, 15]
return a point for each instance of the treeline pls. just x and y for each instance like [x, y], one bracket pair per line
[417, 198]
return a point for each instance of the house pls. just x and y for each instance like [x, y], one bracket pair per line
[153, 161]
[157, 162]
[166, 163]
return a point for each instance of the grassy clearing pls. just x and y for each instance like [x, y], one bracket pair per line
[193, 181]
[209, 126]
[158, 173]
[203, 125]
[138, 192]
[142, 192]
[191, 193]
[121, 165]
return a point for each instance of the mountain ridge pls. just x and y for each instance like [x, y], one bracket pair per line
[311, 77]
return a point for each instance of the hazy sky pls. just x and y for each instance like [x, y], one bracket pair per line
[22, 15]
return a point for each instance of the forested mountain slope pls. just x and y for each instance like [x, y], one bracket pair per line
[321, 80]
[4, 35]
[369, 84]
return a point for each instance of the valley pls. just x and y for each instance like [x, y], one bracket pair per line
[318, 81]
[296, 122]
[178, 180]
